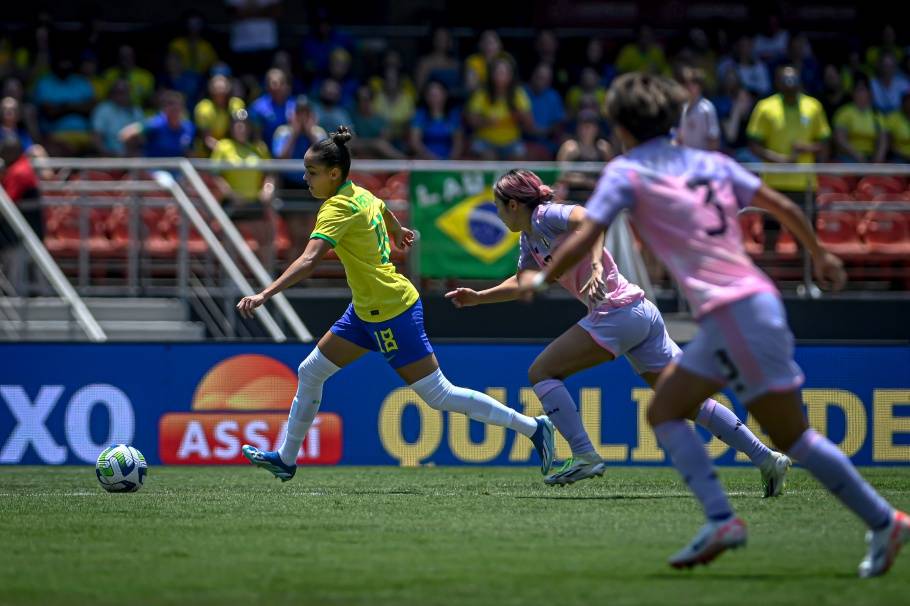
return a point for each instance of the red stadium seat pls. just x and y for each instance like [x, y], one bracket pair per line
[786, 245]
[370, 181]
[830, 200]
[282, 237]
[872, 186]
[887, 232]
[396, 187]
[834, 184]
[61, 235]
[838, 231]
[752, 226]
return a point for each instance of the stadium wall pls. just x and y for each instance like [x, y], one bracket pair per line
[197, 403]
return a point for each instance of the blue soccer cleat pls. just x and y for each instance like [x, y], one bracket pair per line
[270, 461]
[543, 440]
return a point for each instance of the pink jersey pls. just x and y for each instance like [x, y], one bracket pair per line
[684, 203]
[549, 228]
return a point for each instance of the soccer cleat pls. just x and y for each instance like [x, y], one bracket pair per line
[713, 539]
[774, 473]
[543, 440]
[576, 468]
[884, 545]
[270, 461]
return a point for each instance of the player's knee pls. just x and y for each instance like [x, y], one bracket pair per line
[539, 372]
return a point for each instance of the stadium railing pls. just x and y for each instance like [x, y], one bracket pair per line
[36, 249]
[159, 183]
[862, 212]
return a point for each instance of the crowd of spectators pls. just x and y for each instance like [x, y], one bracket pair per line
[757, 96]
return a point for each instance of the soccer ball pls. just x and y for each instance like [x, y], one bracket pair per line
[121, 468]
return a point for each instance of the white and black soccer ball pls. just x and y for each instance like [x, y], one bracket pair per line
[121, 468]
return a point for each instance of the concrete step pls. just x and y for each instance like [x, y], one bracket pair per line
[116, 330]
[114, 309]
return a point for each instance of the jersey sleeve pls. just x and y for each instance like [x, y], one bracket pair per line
[613, 193]
[525, 258]
[553, 219]
[332, 221]
[745, 184]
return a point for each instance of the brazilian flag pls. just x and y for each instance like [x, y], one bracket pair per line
[461, 234]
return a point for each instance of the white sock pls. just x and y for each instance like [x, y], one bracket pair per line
[723, 422]
[440, 394]
[311, 374]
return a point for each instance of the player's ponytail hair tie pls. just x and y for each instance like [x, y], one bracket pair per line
[545, 192]
[523, 186]
[334, 151]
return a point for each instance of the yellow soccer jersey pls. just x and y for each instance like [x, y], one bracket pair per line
[777, 126]
[351, 221]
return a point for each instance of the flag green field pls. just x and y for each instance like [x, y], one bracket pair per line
[422, 536]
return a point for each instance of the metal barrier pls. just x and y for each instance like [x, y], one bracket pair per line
[49, 268]
[162, 170]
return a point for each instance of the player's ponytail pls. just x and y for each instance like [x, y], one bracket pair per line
[334, 151]
[523, 186]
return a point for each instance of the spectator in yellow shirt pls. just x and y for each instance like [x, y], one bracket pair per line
[477, 65]
[196, 53]
[588, 94]
[142, 82]
[897, 126]
[247, 194]
[643, 55]
[858, 130]
[498, 113]
[789, 127]
[212, 115]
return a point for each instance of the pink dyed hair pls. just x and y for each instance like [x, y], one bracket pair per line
[523, 186]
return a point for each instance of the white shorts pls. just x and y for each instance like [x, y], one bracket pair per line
[635, 331]
[748, 345]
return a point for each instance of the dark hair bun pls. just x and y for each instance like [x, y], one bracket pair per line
[342, 135]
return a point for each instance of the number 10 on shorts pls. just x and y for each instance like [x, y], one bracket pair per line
[386, 340]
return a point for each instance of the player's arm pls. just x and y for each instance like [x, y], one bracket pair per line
[507, 290]
[300, 269]
[401, 236]
[567, 256]
[829, 269]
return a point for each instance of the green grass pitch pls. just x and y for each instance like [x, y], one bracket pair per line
[427, 536]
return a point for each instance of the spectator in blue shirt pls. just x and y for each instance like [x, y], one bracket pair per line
[166, 135]
[340, 71]
[329, 111]
[275, 107]
[292, 140]
[112, 116]
[436, 132]
[65, 99]
[11, 124]
[546, 108]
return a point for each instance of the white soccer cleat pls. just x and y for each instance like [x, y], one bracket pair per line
[576, 468]
[884, 545]
[713, 539]
[774, 473]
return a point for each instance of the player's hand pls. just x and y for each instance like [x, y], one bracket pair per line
[829, 271]
[526, 288]
[404, 238]
[248, 304]
[463, 297]
[595, 288]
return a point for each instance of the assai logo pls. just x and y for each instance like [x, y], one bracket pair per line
[474, 224]
[243, 400]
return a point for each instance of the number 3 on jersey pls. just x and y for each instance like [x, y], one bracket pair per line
[711, 199]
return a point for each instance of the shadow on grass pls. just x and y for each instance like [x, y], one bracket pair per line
[607, 497]
[691, 575]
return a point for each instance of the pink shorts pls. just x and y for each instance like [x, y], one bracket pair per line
[746, 345]
[635, 331]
